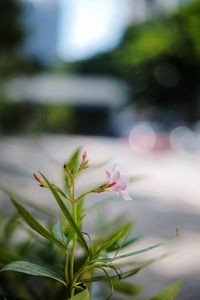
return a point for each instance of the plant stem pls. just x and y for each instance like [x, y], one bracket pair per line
[66, 266]
[84, 194]
[77, 275]
[74, 236]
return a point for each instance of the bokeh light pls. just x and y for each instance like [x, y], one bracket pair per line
[142, 138]
[183, 140]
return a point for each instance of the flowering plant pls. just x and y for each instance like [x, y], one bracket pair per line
[81, 256]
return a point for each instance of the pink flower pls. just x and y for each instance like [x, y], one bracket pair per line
[118, 182]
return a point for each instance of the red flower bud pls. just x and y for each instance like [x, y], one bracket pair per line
[111, 184]
[37, 177]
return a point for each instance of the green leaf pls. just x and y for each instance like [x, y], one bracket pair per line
[131, 241]
[138, 252]
[56, 229]
[74, 160]
[7, 257]
[67, 214]
[170, 292]
[123, 276]
[110, 282]
[81, 296]
[130, 298]
[70, 231]
[35, 225]
[10, 227]
[126, 288]
[32, 269]
[80, 208]
[26, 201]
[115, 237]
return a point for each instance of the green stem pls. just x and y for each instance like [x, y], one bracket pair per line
[74, 236]
[77, 275]
[84, 194]
[66, 266]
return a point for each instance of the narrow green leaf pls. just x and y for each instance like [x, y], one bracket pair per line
[110, 282]
[35, 225]
[103, 225]
[81, 296]
[170, 292]
[80, 208]
[116, 236]
[123, 276]
[10, 227]
[139, 251]
[131, 241]
[130, 298]
[56, 229]
[74, 160]
[126, 288]
[32, 269]
[26, 201]
[7, 256]
[70, 231]
[67, 214]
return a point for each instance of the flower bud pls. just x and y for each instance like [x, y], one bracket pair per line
[37, 178]
[111, 184]
[42, 183]
[84, 155]
[84, 163]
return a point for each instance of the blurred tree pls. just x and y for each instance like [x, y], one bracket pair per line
[160, 59]
[11, 35]
[10, 30]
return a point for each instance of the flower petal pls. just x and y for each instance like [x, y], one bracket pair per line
[125, 195]
[108, 175]
[123, 180]
[115, 168]
[116, 176]
[119, 187]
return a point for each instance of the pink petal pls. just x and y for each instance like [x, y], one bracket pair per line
[119, 187]
[116, 176]
[125, 195]
[108, 174]
[115, 168]
[115, 173]
[123, 180]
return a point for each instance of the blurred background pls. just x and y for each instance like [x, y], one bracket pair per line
[122, 79]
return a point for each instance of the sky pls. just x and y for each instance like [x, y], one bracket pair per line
[87, 27]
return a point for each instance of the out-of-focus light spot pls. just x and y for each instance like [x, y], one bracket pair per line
[88, 27]
[183, 140]
[167, 75]
[142, 138]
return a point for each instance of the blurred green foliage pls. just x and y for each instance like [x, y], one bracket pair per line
[11, 35]
[29, 118]
[168, 45]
